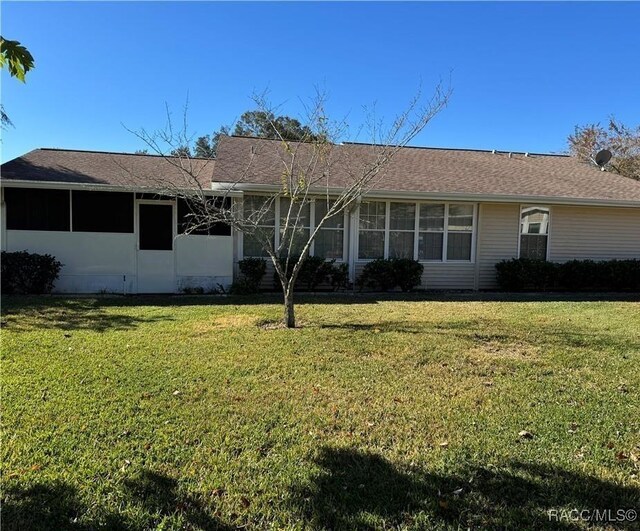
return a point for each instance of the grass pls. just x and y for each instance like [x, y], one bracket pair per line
[196, 413]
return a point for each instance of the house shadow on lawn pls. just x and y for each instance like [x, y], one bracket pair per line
[44, 507]
[356, 490]
[69, 314]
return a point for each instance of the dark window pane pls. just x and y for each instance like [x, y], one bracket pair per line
[371, 244]
[37, 209]
[533, 246]
[401, 244]
[459, 246]
[329, 243]
[252, 245]
[188, 218]
[430, 246]
[156, 227]
[102, 211]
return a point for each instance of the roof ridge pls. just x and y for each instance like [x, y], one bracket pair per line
[112, 152]
[475, 150]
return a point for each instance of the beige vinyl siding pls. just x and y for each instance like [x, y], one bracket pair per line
[497, 239]
[596, 233]
[440, 275]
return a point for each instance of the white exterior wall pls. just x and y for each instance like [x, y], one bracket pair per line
[204, 261]
[593, 233]
[92, 261]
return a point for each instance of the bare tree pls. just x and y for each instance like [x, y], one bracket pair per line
[317, 167]
[622, 141]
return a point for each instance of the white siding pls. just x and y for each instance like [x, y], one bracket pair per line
[497, 239]
[594, 233]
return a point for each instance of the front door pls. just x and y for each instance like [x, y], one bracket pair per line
[156, 262]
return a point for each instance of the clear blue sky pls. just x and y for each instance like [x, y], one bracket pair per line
[523, 74]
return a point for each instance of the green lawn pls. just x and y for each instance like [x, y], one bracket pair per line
[199, 413]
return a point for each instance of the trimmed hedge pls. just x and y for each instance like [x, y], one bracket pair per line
[28, 273]
[521, 274]
[385, 274]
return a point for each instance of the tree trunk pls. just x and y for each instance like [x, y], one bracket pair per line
[289, 314]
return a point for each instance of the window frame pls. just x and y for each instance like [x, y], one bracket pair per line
[311, 228]
[445, 230]
[549, 227]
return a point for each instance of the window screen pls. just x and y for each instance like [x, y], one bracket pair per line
[459, 232]
[188, 220]
[156, 227]
[37, 209]
[372, 229]
[102, 211]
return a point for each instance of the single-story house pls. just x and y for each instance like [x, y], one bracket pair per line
[457, 211]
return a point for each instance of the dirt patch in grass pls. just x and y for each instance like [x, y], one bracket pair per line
[225, 321]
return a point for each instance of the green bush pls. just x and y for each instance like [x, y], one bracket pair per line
[252, 271]
[520, 274]
[315, 271]
[339, 276]
[385, 274]
[28, 273]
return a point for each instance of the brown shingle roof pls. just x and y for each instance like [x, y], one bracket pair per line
[114, 169]
[440, 171]
[413, 170]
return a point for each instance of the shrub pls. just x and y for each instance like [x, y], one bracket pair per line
[574, 275]
[252, 272]
[314, 272]
[339, 276]
[32, 273]
[407, 272]
[385, 274]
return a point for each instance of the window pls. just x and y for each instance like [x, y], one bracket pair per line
[102, 211]
[187, 219]
[402, 228]
[459, 232]
[37, 209]
[155, 227]
[534, 232]
[329, 240]
[261, 210]
[371, 233]
[298, 225]
[444, 231]
[431, 232]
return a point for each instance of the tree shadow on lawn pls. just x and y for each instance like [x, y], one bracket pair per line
[356, 490]
[69, 314]
[57, 506]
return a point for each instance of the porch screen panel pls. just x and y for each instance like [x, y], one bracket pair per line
[37, 209]
[371, 232]
[102, 211]
[329, 241]
[402, 222]
[459, 232]
[431, 232]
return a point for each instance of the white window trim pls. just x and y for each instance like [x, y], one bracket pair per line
[311, 228]
[445, 231]
[549, 227]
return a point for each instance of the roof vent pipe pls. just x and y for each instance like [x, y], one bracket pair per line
[510, 154]
[526, 154]
[493, 151]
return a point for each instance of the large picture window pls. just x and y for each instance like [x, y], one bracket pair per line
[534, 232]
[37, 209]
[444, 231]
[372, 227]
[102, 211]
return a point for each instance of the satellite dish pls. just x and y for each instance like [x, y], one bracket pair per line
[603, 157]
